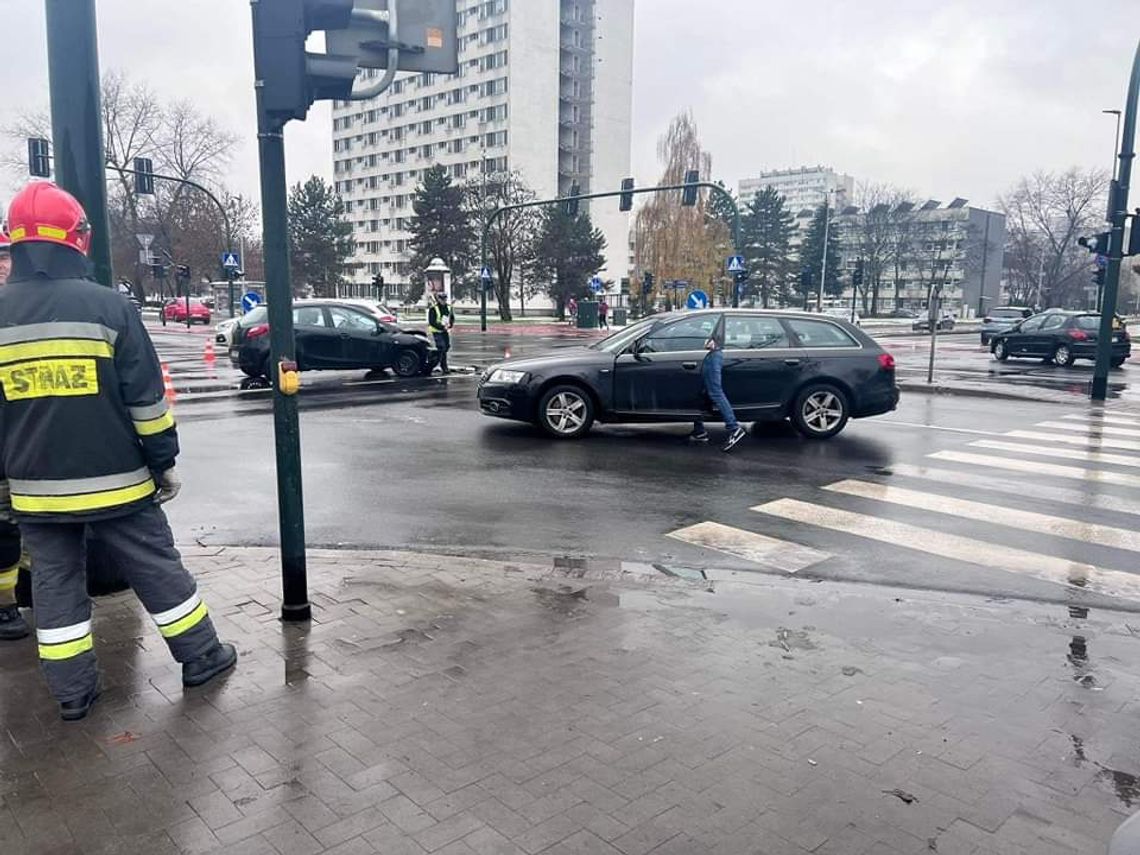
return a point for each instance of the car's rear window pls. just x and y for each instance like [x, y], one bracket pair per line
[1006, 313]
[1088, 322]
[821, 333]
[258, 316]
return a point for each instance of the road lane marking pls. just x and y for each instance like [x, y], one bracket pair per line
[769, 551]
[1000, 484]
[1092, 430]
[973, 431]
[1111, 536]
[1065, 453]
[1093, 443]
[1034, 467]
[1098, 420]
[1117, 417]
[957, 548]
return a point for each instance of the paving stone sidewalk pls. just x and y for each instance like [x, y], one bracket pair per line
[457, 706]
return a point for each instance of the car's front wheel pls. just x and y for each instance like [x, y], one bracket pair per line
[1001, 351]
[820, 411]
[1063, 356]
[408, 363]
[565, 412]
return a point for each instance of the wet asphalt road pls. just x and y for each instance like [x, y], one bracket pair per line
[413, 464]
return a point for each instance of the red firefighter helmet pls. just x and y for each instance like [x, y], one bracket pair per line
[44, 212]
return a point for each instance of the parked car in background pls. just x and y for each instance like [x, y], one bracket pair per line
[224, 332]
[1001, 319]
[922, 323]
[818, 372]
[903, 313]
[175, 310]
[334, 335]
[1060, 337]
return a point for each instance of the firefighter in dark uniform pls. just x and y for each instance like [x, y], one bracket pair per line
[12, 624]
[441, 318]
[87, 442]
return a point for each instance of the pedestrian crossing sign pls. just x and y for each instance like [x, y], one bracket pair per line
[735, 264]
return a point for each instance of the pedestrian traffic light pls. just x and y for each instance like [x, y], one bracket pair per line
[857, 274]
[378, 280]
[570, 206]
[689, 194]
[39, 157]
[647, 281]
[183, 272]
[626, 197]
[144, 176]
[1097, 244]
[1098, 275]
[806, 278]
[1134, 234]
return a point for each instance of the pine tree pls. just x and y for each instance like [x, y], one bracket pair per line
[567, 252]
[320, 238]
[811, 254]
[768, 227]
[441, 229]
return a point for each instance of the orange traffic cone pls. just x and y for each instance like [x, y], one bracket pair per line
[168, 385]
[209, 355]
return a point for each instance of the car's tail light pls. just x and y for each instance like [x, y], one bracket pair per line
[257, 331]
[1078, 335]
[886, 362]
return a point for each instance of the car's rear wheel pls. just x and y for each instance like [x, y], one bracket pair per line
[565, 412]
[408, 363]
[820, 411]
[1001, 351]
[1063, 356]
[1117, 361]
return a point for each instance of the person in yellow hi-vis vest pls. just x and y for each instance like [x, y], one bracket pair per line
[12, 624]
[88, 443]
[441, 318]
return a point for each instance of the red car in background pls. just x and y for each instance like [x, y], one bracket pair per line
[175, 310]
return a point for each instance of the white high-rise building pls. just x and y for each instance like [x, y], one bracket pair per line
[803, 189]
[544, 87]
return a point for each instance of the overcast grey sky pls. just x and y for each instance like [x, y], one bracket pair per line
[946, 97]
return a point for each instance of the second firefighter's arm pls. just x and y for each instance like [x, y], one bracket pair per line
[140, 383]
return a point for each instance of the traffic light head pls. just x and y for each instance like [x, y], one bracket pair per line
[626, 197]
[689, 194]
[570, 206]
[1097, 244]
[857, 275]
[1098, 275]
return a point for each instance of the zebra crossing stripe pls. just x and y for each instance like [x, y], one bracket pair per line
[1091, 442]
[1050, 568]
[769, 551]
[1106, 535]
[1093, 430]
[1115, 418]
[1088, 456]
[1092, 476]
[1056, 495]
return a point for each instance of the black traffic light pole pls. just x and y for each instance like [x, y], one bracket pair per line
[77, 118]
[1118, 205]
[624, 192]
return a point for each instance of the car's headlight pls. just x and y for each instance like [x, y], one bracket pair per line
[505, 377]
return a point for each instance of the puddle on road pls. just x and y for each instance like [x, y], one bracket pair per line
[1124, 784]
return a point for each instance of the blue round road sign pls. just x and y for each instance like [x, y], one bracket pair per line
[250, 301]
[697, 300]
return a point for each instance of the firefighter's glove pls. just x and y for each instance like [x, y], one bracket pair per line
[168, 486]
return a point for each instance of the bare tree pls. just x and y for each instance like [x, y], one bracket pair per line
[675, 242]
[512, 235]
[1045, 214]
[879, 232]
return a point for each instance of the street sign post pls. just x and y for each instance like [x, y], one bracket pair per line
[697, 300]
[250, 301]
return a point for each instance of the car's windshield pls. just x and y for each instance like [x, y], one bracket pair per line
[620, 340]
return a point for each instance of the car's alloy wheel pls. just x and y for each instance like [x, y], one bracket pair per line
[1001, 352]
[1063, 356]
[566, 412]
[407, 363]
[820, 412]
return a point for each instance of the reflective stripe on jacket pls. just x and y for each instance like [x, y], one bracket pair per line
[83, 419]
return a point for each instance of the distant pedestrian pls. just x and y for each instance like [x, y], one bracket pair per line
[711, 370]
[441, 318]
[572, 309]
[603, 312]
